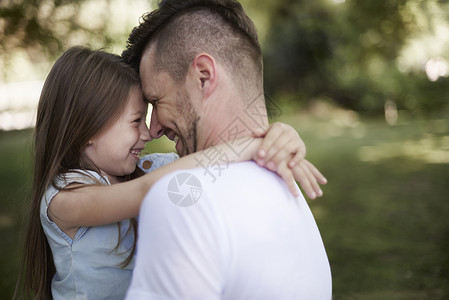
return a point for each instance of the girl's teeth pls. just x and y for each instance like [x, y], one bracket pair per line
[175, 139]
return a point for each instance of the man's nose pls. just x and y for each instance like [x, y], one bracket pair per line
[156, 129]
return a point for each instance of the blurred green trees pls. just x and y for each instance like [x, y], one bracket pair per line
[359, 53]
[40, 27]
[43, 29]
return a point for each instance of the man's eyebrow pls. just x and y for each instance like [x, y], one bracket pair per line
[150, 98]
[145, 99]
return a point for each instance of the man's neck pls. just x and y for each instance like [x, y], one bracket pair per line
[229, 122]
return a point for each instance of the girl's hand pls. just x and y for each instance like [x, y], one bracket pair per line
[283, 152]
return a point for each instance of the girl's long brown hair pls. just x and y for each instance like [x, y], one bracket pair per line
[84, 93]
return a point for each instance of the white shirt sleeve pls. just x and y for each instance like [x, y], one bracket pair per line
[180, 249]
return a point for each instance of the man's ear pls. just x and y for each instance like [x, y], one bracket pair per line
[204, 70]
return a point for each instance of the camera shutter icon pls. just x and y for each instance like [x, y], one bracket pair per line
[184, 189]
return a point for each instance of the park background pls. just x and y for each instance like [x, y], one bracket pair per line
[366, 85]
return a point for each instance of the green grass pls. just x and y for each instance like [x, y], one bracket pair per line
[15, 176]
[383, 218]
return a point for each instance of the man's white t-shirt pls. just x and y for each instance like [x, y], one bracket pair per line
[240, 235]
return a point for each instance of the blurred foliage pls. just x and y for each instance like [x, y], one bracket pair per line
[351, 52]
[45, 28]
[39, 26]
[357, 53]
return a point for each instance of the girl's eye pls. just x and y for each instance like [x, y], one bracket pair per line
[137, 120]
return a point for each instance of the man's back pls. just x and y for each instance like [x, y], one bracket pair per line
[246, 237]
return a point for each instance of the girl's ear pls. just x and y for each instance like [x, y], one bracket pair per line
[204, 72]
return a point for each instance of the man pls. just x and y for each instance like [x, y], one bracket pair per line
[230, 232]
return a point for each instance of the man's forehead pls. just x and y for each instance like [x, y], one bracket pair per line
[146, 70]
[147, 59]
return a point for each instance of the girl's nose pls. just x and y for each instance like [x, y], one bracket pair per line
[145, 133]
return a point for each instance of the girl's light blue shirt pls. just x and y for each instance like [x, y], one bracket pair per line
[87, 266]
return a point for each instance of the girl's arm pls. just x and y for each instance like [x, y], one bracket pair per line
[97, 205]
[93, 205]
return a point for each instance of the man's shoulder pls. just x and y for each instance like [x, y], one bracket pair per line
[223, 174]
[238, 181]
[211, 173]
[231, 171]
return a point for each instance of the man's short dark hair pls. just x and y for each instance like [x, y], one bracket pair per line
[180, 29]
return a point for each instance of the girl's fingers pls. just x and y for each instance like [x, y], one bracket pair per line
[309, 178]
[286, 173]
[296, 159]
[316, 173]
[270, 137]
[284, 144]
[259, 132]
[312, 180]
[280, 142]
[301, 175]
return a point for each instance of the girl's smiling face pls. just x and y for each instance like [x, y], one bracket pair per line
[115, 151]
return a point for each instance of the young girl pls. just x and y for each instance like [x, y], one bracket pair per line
[90, 130]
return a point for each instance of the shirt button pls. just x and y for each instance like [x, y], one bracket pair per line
[147, 164]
